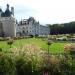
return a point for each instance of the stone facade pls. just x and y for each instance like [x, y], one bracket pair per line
[44, 30]
[31, 27]
[7, 23]
[9, 27]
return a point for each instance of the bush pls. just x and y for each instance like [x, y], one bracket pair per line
[31, 36]
[1, 39]
[7, 66]
[23, 67]
[62, 39]
[31, 60]
[66, 67]
[10, 42]
[36, 35]
[0, 49]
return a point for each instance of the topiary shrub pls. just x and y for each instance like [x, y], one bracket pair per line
[31, 36]
[10, 42]
[0, 49]
[36, 35]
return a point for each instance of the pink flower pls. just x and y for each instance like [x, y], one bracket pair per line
[46, 73]
[69, 47]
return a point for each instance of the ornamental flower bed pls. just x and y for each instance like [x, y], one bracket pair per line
[31, 60]
[70, 48]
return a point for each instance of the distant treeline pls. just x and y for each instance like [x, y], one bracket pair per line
[64, 28]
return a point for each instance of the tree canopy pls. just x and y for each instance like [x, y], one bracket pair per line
[64, 28]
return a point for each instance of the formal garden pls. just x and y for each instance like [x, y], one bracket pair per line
[52, 55]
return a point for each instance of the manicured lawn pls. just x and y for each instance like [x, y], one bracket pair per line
[56, 47]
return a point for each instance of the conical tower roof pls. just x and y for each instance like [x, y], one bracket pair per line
[7, 12]
[0, 10]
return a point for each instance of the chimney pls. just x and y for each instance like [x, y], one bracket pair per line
[12, 10]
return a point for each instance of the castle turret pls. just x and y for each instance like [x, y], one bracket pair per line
[0, 12]
[7, 12]
[8, 22]
[12, 10]
[7, 6]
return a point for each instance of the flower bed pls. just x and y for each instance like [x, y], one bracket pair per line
[31, 60]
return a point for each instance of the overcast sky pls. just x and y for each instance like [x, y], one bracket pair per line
[44, 11]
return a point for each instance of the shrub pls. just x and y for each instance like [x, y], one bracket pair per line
[36, 35]
[49, 42]
[66, 67]
[10, 42]
[1, 39]
[63, 38]
[0, 49]
[69, 47]
[31, 36]
[7, 66]
[23, 67]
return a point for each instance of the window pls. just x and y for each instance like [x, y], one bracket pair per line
[23, 31]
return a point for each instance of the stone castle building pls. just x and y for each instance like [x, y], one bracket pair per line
[9, 27]
[7, 23]
[31, 27]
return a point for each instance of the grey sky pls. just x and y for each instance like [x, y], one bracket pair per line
[46, 11]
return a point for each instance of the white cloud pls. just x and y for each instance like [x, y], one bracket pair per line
[46, 11]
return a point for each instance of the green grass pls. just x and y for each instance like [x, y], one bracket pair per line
[56, 47]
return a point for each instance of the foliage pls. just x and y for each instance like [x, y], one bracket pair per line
[1, 39]
[31, 36]
[10, 42]
[65, 28]
[23, 67]
[0, 49]
[7, 65]
[35, 62]
[28, 58]
[69, 47]
[56, 47]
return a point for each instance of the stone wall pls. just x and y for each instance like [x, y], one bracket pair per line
[9, 26]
